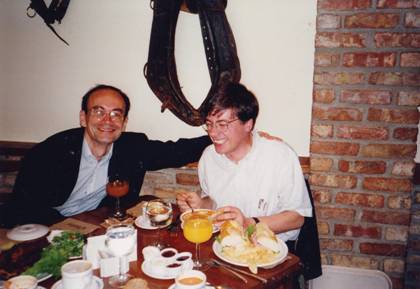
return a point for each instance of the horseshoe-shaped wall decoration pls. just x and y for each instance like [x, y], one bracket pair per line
[220, 48]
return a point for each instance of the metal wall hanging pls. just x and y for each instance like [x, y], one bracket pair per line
[54, 12]
[219, 45]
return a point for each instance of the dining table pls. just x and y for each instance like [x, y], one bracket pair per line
[280, 277]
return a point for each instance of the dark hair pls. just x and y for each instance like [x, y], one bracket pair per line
[235, 96]
[103, 87]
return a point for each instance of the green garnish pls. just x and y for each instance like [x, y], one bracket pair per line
[67, 244]
[250, 230]
[218, 239]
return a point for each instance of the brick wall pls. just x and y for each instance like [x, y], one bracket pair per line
[364, 126]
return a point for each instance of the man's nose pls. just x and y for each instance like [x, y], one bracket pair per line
[107, 117]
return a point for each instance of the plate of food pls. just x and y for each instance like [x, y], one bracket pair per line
[255, 247]
[206, 213]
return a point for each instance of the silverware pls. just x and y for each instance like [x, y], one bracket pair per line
[239, 270]
[230, 270]
[189, 205]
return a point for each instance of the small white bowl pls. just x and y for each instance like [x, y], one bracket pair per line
[21, 282]
[191, 279]
[169, 254]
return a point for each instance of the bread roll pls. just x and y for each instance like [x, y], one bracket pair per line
[231, 234]
[266, 238]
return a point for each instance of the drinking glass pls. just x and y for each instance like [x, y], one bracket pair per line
[117, 187]
[159, 212]
[198, 230]
[120, 240]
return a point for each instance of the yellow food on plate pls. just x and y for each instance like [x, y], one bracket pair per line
[266, 238]
[261, 247]
[250, 254]
[231, 234]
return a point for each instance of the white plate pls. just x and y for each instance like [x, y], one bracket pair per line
[217, 249]
[96, 284]
[145, 267]
[27, 232]
[182, 217]
[144, 223]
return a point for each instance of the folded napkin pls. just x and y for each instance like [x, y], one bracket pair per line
[71, 224]
[113, 221]
[96, 252]
[137, 210]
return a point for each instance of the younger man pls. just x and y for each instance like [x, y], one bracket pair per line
[250, 178]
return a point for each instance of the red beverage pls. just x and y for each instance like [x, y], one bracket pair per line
[117, 188]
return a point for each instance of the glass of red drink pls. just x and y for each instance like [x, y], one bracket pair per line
[117, 187]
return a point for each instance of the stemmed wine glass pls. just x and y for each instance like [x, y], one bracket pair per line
[117, 187]
[159, 212]
[120, 240]
[198, 229]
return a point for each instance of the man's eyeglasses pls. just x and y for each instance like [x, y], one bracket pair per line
[220, 125]
[100, 113]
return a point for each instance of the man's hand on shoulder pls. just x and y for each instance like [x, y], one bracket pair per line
[268, 136]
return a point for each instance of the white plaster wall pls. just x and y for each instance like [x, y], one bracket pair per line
[42, 80]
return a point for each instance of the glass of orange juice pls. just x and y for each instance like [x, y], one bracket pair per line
[198, 230]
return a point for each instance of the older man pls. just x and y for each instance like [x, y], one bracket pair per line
[67, 173]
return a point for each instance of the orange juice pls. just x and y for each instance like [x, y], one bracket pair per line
[198, 230]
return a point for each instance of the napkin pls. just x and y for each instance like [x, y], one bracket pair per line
[97, 253]
[113, 221]
[71, 224]
[137, 210]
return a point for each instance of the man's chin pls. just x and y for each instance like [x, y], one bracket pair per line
[220, 149]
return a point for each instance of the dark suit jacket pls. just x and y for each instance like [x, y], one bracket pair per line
[49, 171]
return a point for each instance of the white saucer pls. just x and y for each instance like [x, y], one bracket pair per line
[145, 267]
[144, 223]
[96, 284]
[173, 286]
[27, 232]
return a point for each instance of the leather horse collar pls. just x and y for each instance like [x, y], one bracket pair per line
[220, 49]
[54, 12]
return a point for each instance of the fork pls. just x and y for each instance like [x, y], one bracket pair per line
[212, 263]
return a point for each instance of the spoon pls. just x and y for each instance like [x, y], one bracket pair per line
[188, 204]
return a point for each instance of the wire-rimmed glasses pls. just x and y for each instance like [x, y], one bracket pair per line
[220, 125]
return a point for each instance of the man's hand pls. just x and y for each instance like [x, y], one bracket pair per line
[269, 136]
[230, 213]
[187, 199]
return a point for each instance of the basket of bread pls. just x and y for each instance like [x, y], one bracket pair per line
[257, 246]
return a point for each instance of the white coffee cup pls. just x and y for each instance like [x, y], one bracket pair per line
[77, 274]
[191, 279]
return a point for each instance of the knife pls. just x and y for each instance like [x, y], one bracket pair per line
[239, 270]
[229, 270]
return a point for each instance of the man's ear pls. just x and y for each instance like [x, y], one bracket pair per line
[249, 125]
[82, 118]
[124, 123]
